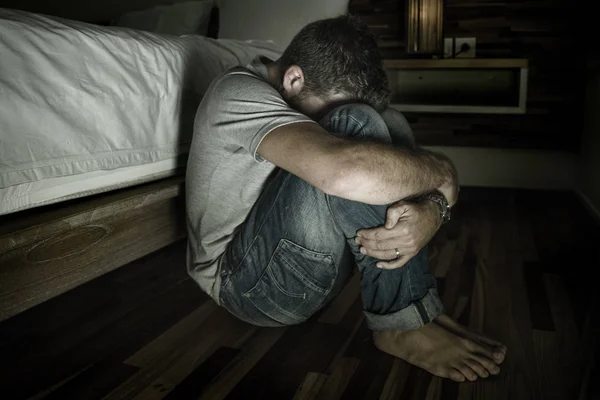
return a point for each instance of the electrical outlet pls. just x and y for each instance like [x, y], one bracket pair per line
[464, 47]
[448, 47]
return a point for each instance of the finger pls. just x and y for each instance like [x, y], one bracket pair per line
[399, 243]
[393, 214]
[394, 264]
[391, 220]
[378, 233]
[380, 254]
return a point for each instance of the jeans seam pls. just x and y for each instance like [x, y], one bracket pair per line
[323, 257]
[327, 201]
[349, 116]
[360, 125]
[287, 293]
[263, 273]
[300, 276]
[289, 314]
[233, 270]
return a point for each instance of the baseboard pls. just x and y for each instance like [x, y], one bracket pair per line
[513, 168]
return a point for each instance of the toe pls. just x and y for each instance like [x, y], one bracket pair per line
[502, 348]
[485, 351]
[477, 368]
[456, 376]
[488, 364]
[499, 355]
[498, 350]
[467, 372]
[463, 331]
[488, 341]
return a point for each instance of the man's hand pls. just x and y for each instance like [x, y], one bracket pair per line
[408, 228]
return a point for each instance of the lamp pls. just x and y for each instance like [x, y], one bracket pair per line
[424, 24]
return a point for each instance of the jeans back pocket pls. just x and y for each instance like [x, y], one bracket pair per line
[294, 284]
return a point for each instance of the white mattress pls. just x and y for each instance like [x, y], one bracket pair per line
[86, 109]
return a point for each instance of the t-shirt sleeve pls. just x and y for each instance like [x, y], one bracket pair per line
[246, 109]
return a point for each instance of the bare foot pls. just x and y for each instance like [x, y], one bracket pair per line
[445, 349]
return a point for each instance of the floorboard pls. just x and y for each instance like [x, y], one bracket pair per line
[514, 264]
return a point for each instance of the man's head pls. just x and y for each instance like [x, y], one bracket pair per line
[333, 61]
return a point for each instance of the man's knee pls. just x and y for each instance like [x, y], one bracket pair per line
[356, 121]
[399, 128]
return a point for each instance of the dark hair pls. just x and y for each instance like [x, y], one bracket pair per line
[340, 56]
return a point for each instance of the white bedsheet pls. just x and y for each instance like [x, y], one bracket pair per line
[85, 109]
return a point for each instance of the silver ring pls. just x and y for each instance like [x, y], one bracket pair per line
[397, 253]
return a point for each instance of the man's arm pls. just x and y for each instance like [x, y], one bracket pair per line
[368, 172]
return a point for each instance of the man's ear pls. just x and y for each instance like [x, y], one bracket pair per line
[293, 80]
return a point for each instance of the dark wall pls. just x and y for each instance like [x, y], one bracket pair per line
[549, 33]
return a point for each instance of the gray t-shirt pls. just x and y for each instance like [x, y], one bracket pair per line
[225, 175]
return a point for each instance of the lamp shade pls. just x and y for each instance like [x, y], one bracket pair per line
[424, 24]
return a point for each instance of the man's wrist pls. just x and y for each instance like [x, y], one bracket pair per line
[441, 205]
[433, 210]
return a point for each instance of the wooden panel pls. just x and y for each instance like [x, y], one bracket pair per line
[385, 18]
[550, 34]
[171, 341]
[45, 253]
[338, 380]
[249, 357]
[195, 382]
[396, 380]
[94, 382]
[310, 387]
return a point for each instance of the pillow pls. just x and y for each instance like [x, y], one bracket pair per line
[276, 20]
[191, 17]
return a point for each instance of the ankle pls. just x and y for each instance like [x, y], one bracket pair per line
[384, 338]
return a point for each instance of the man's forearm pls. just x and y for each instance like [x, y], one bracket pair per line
[381, 174]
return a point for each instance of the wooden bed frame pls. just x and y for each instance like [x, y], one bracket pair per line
[48, 250]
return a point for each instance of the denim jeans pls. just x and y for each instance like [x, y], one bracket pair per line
[296, 250]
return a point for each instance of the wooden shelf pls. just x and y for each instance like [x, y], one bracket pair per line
[462, 63]
[459, 85]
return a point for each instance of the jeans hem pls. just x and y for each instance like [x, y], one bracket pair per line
[410, 317]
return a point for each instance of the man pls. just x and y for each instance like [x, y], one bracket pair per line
[277, 204]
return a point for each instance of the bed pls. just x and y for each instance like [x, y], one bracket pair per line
[95, 126]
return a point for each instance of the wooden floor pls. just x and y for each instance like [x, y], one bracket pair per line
[515, 264]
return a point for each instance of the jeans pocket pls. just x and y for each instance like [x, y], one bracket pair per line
[294, 284]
